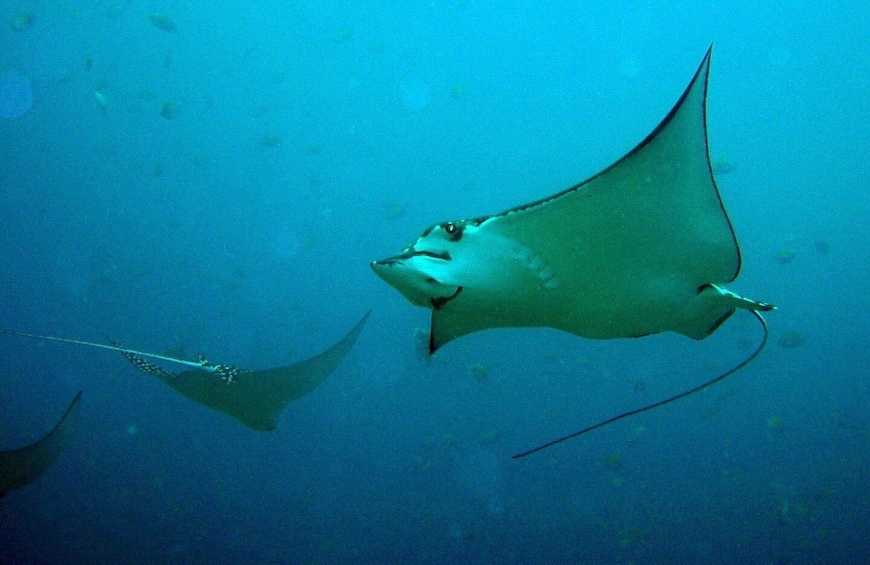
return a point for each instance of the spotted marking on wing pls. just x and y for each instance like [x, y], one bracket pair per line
[535, 263]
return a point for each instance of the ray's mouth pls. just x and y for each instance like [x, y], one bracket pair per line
[438, 302]
[410, 253]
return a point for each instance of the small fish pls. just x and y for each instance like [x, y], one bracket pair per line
[270, 140]
[785, 256]
[22, 22]
[101, 100]
[479, 374]
[393, 210]
[792, 340]
[722, 167]
[169, 111]
[163, 22]
[343, 35]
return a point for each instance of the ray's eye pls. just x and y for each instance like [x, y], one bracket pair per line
[450, 228]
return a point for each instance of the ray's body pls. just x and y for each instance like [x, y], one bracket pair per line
[640, 248]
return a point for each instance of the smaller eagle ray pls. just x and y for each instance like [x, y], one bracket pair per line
[642, 247]
[20, 467]
[255, 398]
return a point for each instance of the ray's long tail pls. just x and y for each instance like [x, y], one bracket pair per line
[683, 394]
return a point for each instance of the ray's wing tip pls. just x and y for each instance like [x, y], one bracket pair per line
[69, 414]
[359, 325]
[362, 320]
[74, 404]
[434, 344]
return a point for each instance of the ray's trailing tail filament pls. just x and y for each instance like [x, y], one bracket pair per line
[201, 364]
[684, 394]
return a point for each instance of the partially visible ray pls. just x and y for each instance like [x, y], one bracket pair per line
[668, 400]
[254, 397]
[20, 467]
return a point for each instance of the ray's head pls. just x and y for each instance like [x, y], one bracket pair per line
[435, 268]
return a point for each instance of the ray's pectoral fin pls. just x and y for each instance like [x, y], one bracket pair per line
[448, 324]
[20, 467]
[255, 398]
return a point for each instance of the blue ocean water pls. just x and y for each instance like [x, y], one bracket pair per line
[221, 188]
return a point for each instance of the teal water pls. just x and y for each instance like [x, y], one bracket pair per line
[221, 188]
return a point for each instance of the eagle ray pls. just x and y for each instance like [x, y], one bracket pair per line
[640, 248]
[256, 398]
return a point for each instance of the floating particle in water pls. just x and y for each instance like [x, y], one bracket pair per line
[479, 373]
[169, 111]
[785, 256]
[457, 91]
[21, 22]
[613, 462]
[776, 424]
[343, 35]
[838, 419]
[114, 11]
[162, 21]
[791, 340]
[722, 167]
[393, 210]
[101, 101]
[270, 140]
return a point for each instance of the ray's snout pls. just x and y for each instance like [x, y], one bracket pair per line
[388, 262]
[383, 268]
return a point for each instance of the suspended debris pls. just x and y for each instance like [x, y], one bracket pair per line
[163, 22]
